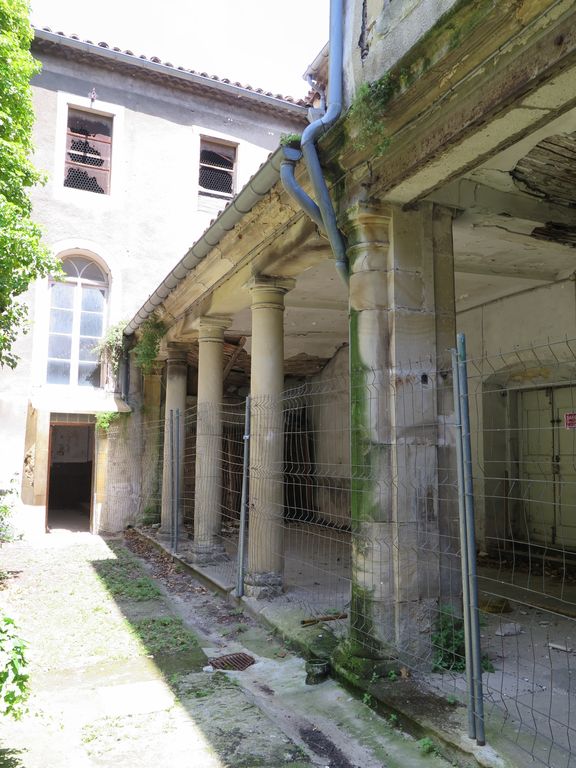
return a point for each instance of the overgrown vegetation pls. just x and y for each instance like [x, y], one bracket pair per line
[448, 643]
[14, 683]
[23, 258]
[6, 529]
[165, 635]
[426, 746]
[109, 348]
[105, 419]
[290, 139]
[367, 113]
[146, 349]
[124, 577]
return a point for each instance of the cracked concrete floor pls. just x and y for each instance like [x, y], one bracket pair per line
[118, 643]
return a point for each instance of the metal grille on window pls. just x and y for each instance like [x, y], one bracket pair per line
[88, 152]
[216, 177]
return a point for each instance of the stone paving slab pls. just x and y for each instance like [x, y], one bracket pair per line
[118, 650]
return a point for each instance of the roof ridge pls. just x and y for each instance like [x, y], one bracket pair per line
[156, 60]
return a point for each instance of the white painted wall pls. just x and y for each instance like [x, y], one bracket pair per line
[147, 223]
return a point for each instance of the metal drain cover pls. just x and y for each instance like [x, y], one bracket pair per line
[238, 661]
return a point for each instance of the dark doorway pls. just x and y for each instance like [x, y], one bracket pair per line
[70, 480]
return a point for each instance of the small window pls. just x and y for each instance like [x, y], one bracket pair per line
[77, 306]
[88, 152]
[217, 167]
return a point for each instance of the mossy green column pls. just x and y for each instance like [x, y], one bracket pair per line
[402, 324]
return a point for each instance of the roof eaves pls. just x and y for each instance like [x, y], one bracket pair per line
[168, 70]
[259, 185]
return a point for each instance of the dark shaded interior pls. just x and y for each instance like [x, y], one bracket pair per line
[70, 489]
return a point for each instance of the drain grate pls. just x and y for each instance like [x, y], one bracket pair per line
[237, 661]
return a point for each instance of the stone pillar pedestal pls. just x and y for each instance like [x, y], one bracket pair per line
[208, 478]
[266, 534]
[402, 324]
[176, 379]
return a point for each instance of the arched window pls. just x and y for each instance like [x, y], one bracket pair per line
[77, 307]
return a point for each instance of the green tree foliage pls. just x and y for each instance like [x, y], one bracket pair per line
[23, 258]
[14, 683]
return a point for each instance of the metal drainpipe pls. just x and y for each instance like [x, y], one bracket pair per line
[125, 372]
[309, 137]
[287, 168]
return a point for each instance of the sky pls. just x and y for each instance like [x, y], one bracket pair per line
[263, 43]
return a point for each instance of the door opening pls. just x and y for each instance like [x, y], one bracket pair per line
[70, 477]
[547, 451]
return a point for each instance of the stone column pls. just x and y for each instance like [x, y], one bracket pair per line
[401, 326]
[208, 478]
[266, 534]
[176, 376]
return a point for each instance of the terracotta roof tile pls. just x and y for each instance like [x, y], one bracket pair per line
[156, 60]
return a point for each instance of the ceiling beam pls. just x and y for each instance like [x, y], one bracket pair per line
[467, 194]
[536, 275]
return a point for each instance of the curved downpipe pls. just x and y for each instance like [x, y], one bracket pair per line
[287, 168]
[312, 133]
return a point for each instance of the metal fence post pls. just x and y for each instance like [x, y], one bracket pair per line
[172, 494]
[177, 500]
[243, 503]
[470, 699]
[471, 542]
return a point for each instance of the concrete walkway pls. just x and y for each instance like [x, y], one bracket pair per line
[118, 644]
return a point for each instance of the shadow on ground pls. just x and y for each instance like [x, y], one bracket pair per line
[199, 710]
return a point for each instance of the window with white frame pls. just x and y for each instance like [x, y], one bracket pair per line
[77, 308]
[88, 157]
[217, 172]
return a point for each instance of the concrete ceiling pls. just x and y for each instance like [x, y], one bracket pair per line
[503, 209]
[516, 225]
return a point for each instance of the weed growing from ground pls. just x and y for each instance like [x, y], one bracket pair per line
[164, 635]
[426, 746]
[124, 577]
[448, 643]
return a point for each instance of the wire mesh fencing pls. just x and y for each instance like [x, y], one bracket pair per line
[152, 463]
[354, 518]
[523, 434]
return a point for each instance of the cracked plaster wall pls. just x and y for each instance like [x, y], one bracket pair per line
[379, 32]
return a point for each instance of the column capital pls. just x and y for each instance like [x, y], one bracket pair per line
[364, 222]
[177, 351]
[269, 291]
[211, 328]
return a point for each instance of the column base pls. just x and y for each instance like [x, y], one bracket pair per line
[206, 554]
[263, 586]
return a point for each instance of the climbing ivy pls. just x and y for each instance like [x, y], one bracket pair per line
[146, 350]
[109, 348]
